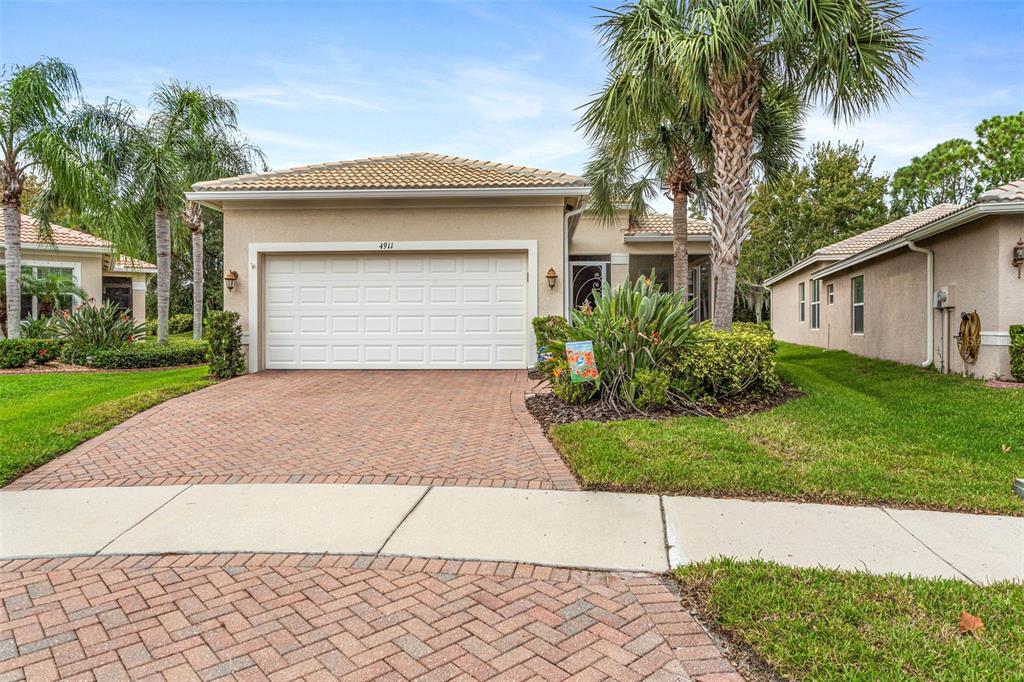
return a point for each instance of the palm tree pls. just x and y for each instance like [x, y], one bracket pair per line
[227, 155]
[646, 140]
[156, 162]
[41, 135]
[849, 56]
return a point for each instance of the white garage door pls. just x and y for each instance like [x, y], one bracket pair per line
[431, 311]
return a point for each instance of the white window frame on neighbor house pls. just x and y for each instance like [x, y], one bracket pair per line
[831, 293]
[802, 293]
[854, 304]
[256, 250]
[815, 304]
[76, 277]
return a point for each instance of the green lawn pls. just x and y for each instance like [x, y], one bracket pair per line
[171, 338]
[44, 415]
[817, 624]
[866, 431]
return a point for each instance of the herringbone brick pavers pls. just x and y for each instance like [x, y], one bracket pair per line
[286, 617]
[405, 427]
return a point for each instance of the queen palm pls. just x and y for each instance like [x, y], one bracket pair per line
[226, 155]
[44, 134]
[849, 56]
[180, 143]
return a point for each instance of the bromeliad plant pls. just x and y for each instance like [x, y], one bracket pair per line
[89, 329]
[637, 329]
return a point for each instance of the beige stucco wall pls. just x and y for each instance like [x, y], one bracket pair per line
[403, 220]
[595, 236]
[975, 258]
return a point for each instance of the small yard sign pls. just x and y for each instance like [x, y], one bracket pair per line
[582, 366]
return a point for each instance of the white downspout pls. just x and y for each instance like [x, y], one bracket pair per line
[566, 274]
[929, 316]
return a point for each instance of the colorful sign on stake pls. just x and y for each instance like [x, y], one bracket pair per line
[582, 366]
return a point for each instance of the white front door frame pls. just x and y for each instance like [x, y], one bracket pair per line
[261, 248]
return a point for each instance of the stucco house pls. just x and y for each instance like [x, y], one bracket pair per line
[897, 292]
[419, 260]
[89, 261]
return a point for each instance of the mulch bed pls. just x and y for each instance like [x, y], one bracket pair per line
[550, 411]
[996, 383]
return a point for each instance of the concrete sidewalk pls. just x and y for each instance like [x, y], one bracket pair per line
[578, 529]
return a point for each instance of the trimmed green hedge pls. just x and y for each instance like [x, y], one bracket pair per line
[728, 365]
[145, 355]
[1017, 351]
[225, 336]
[15, 353]
[176, 324]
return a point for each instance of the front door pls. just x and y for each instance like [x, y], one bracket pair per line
[587, 279]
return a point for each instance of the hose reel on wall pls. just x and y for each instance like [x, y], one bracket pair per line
[968, 342]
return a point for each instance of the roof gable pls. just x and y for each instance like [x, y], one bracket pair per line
[421, 170]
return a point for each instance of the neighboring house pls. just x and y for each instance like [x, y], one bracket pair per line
[898, 291]
[418, 260]
[86, 259]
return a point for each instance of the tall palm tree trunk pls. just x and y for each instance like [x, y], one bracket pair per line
[12, 266]
[194, 220]
[163, 273]
[732, 128]
[680, 251]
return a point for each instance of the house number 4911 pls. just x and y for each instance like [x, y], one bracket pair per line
[385, 246]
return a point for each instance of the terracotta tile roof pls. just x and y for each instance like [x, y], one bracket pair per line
[61, 236]
[1011, 191]
[887, 232]
[403, 171]
[661, 224]
[65, 236]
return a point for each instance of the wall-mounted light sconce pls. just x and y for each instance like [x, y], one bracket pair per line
[230, 277]
[552, 277]
[1018, 256]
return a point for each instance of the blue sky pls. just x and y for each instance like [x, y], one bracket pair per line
[322, 81]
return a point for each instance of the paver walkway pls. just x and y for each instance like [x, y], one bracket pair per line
[284, 617]
[467, 428]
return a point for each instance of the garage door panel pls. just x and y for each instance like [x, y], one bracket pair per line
[396, 310]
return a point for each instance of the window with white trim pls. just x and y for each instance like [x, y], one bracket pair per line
[803, 302]
[815, 304]
[857, 304]
[30, 303]
[831, 290]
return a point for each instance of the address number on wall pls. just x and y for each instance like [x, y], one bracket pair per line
[386, 246]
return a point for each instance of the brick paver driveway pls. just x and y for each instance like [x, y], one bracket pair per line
[283, 617]
[406, 427]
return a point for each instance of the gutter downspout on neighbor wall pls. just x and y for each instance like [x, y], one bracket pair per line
[929, 315]
[566, 274]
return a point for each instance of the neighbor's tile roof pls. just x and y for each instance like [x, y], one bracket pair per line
[1011, 191]
[403, 171]
[887, 232]
[661, 224]
[61, 236]
[65, 236]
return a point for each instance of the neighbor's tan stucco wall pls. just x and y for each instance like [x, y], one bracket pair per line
[974, 258]
[91, 277]
[537, 219]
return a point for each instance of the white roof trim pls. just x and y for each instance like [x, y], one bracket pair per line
[956, 219]
[633, 238]
[241, 195]
[799, 266]
[64, 248]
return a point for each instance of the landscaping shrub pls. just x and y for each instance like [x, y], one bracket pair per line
[176, 324]
[634, 327]
[763, 328]
[1017, 351]
[144, 355]
[15, 353]
[89, 329]
[225, 336]
[38, 328]
[727, 365]
[550, 329]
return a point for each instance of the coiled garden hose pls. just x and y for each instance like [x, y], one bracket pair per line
[969, 340]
